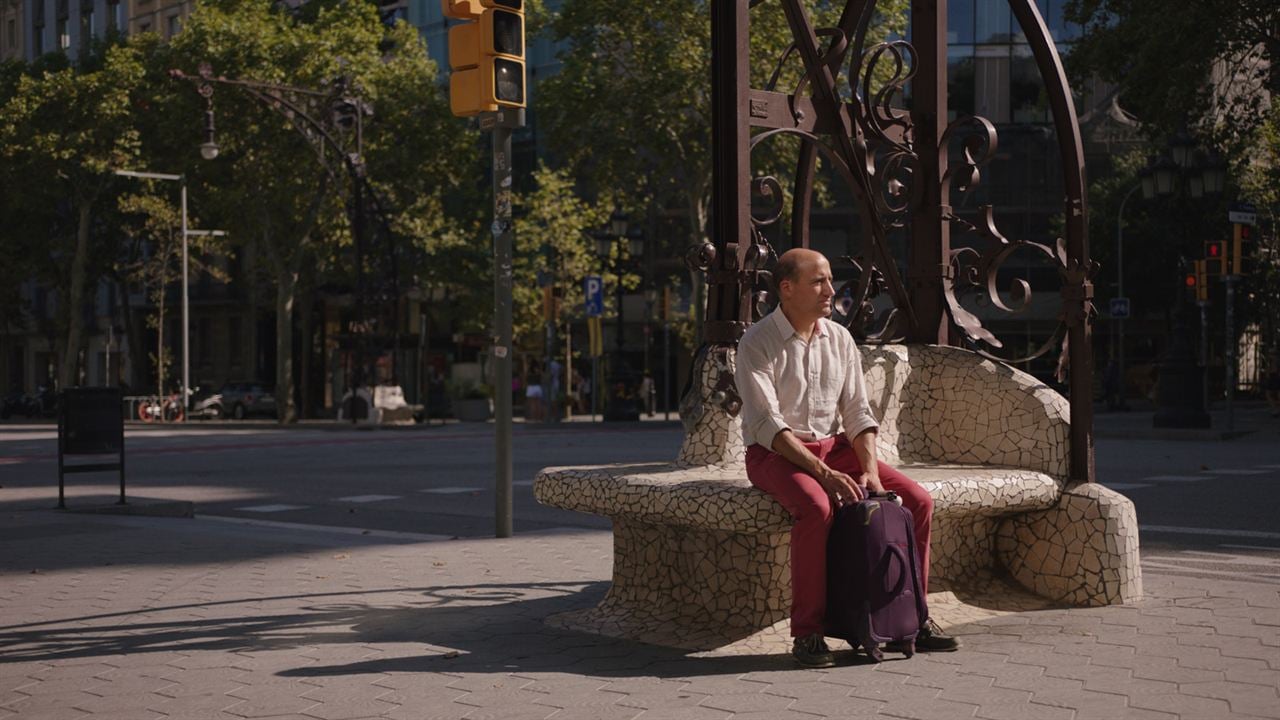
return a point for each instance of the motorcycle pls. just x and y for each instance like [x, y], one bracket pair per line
[17, 403]
[208, 406]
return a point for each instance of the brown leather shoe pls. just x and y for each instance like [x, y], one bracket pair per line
[929, 639]
[812, 651]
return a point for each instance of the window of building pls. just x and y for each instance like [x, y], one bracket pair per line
[64, 35]
[960, 21]
[992, 21]
[959, 81]
[1054, 13]
[991, 82]
[144, 26]
[173, 25]
[37, 27]
[1027, 100]
[86, 25]
[113, 16]
[203, 350]
[11, 34]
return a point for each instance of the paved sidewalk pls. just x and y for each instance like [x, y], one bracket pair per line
[139, 618]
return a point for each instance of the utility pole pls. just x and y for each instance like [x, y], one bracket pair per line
[501, 124]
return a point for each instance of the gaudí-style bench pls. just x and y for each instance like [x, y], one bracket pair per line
[701, 558]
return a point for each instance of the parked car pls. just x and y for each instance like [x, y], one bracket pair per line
[242, 399]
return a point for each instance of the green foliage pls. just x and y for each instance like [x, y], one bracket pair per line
[553, 241]
[68, 128]
[1203, 64]
[631, 106]
[1209, 67]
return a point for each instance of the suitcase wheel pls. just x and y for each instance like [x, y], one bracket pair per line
[874, 652]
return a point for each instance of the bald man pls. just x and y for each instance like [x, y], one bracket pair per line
[810, 439]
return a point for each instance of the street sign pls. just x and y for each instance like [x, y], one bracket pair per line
[1243, 213]
[593, 289]
[1120, 308]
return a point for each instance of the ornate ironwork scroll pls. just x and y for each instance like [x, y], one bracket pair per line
[895, 164]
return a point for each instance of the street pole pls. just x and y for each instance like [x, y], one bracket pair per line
[666, 369]
[502, 123]
[186, 310]
[1231, 348]
[1120, 285]
[1204, 351]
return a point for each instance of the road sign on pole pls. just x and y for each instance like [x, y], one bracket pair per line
[1243, 213]
[593, 289]
[1120, 308]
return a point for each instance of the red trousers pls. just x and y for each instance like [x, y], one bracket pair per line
[810, 505]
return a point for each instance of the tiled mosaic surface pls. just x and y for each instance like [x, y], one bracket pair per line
[712, 435]
[1083, 551]
[987, 441]
[744, 584]
[949, 405]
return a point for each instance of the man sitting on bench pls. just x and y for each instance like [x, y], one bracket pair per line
[800, 378]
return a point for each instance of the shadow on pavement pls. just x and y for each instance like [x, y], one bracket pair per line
[462, 629]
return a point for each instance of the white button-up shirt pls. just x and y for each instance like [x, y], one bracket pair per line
[812, 388]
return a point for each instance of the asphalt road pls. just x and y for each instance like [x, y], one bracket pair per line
[1219, 495]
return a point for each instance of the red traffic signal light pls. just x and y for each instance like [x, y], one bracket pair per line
[1191, 280]
[1215, 257]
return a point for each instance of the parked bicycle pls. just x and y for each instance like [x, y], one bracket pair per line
[161, 409]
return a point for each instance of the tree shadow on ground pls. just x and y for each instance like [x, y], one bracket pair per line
[483, 628]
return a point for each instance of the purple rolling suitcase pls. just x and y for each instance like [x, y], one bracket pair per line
[873, 576]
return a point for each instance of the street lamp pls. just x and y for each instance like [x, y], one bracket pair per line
[186, 310]
[331, 120]
[208, 148]
[1179, 404]
[621, 405]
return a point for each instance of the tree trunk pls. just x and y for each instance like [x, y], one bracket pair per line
[305, 309]
[68, 369]
[160, 354]
[286, 408]
[133, 338]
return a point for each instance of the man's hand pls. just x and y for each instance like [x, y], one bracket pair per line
[871, 481]
[842, 488]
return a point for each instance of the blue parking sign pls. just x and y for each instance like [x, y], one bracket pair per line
[1120, 308]
[593, 289]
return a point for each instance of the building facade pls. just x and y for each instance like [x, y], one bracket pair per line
[12, 29]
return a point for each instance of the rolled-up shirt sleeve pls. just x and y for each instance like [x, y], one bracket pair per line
[855, 410]
[761, 417]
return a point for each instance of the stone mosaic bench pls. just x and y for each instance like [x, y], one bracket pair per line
[701, 556]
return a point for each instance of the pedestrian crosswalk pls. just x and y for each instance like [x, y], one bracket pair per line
[368, 498]
[1254, 564]
[1208, 474]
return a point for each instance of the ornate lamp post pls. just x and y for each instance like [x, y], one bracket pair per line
[332, 122]
[622, 403]
[1182, 391]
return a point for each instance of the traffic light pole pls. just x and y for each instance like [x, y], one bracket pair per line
[501, 123]
[1231, 348]
[1204, 349]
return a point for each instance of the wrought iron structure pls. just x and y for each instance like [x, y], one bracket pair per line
[332, 122]
[896, 164]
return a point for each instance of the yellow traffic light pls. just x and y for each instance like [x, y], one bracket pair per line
[1240, 236]
[486, 56]
[461, 9]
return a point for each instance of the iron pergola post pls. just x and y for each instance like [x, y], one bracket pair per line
[896, 166]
